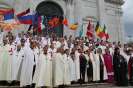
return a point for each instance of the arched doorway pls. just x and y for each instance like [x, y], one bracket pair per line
[50, 10]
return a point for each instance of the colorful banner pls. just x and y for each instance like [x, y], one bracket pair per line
[9, 16]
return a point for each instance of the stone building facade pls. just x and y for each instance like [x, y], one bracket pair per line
[108, 12]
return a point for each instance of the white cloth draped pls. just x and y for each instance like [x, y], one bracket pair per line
[97, 60]
[27, 67]
[16, 62]
[72, 68]
[43, 73]
[77, 65]
[61, 70]
[5, 63]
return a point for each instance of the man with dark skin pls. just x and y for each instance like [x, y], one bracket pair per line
[89, 67]
[83, 63]
[120, 68]
[130, 67]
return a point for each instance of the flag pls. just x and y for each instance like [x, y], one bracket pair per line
[35, 19]
[103, 34]
[39, 24]
[106, 35]
[54, 22]
[29, 19]
[42, 23]
[65, 22]
[73, 26]
[9, 15]
[89, 32]
[98, 30]
[24, 12]
[26, 19]
[81, 31]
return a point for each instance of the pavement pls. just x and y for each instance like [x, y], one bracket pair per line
[97, 85]
[93, 85]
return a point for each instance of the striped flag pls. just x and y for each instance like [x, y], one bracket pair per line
[26, 19]
[9, 15]
[81, 31]
[65, 22]
[39, 24]
[89, 32]
[106, 35]
[98, 30]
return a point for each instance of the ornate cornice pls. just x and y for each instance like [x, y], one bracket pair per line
[119, 2]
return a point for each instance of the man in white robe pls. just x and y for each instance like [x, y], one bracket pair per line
[94, 65]
[101, 71]
[18, 55]
[59, 68]
[77, 63]
[27, 66]
[72, 66]
[66, 67]
[43, 73]
[89, 67]
[11, 48]
[4, 61]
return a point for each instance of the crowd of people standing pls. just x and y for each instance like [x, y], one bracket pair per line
[41, 61]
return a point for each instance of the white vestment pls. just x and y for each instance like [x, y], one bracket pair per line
[95, 65]
[72, 68]
[5, 63]
[11, 48]
[58, 70]
[66, 70]
[16, 63]
[77, 63]
[105, 76]
[27, 67]
[43, 73]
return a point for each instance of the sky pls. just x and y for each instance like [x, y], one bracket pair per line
[128, 17]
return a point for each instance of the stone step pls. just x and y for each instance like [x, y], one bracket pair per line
[91, 85]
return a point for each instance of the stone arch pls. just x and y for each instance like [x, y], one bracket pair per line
[49, 10]
[55, 8]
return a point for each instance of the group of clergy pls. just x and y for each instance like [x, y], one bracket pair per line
[37, 61]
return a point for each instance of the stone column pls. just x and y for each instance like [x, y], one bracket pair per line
[70, 17]
[78, 13]
[101, 12]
